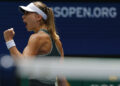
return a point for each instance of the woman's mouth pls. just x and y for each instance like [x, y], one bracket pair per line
[25, 23]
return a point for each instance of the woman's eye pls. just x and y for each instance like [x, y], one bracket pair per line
[26, 13]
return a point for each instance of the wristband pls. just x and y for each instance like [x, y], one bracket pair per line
[10, 44]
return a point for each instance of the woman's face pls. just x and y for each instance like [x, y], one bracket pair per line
[31, 21]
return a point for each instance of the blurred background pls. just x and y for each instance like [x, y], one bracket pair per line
[86, 28]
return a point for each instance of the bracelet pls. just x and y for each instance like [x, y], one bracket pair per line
[10, 44]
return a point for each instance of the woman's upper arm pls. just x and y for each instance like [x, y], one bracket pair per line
[34, 44]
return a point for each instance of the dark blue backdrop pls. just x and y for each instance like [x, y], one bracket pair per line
[80, 36]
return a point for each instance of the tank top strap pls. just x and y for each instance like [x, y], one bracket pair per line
[44, 30]
[54, 51]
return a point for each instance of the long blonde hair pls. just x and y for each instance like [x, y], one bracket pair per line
[50, 23]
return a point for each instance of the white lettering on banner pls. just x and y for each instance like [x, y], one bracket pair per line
[85, 12]
[64, 12]
[72, 11]
[113, 12]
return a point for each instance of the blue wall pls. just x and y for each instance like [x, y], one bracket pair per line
[91, 32]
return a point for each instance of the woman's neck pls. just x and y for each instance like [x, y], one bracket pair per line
[40, 27]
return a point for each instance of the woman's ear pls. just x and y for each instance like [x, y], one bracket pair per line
[38, 17]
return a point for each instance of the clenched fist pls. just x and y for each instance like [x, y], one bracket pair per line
[9, 34]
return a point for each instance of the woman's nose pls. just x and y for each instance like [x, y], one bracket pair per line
[23, 17]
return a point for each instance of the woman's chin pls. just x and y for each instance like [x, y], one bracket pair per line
[28, 29]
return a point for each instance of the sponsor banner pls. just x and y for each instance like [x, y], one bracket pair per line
[84, 28]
